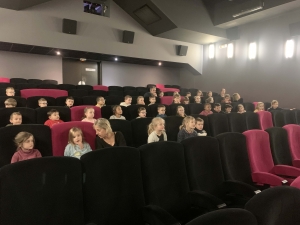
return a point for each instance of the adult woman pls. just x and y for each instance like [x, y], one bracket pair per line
[105, 136]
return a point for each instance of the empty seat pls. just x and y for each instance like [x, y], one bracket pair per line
[115, 93]
[142, 90]
[293, 134]
[128, 92]
[89, 100]
[248, 106]
[124, 126]
[41, 133]
[50, 82]
[115, 88]
[100, 87]
[129, 88]
[172, 124]
[43, 192]
[218, 123]
[265, 119]
[18, 80]
[277, 118]
[77, 112]
[114, 100]
[5, 85]
[237, 122]
[106, 111]
[196, 108]
[252, 120]
[34, 81]
[140, 131]
[28, 115]
[84, 87]
[78, 92]
[98, 93]
[289, 117]
[32, 102]
[66, 87]
[41, 113]
[61, 101]
[47, 86]
[194, 91]
[22, 86]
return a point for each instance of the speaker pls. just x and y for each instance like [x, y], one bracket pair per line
[233, 33]
[69, 26]
[182, 50]
[295, 29]
[128, 36]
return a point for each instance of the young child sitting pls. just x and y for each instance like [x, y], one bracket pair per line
[77, 146]
[259, 107]
[117, 111]
[127, 101]
[199, 127]
[152, 100]
[161, 94]
[186, 101]
[188, 94]
[236, 98]
[10, 91]
[156, 130]
[199, 93]
[100, 101]
[207, 110]
[180, 111]
[217, 108]
[226, 99]
[209, 100]
[140, 100]
[25, 144]
[187, 129]
[42, 102]
[53, 116]
[161, 109]
[10, 103]
[197, 99]
[222, 93]
[142, 112]
[176, 99]
[69, 101]
[209, 94]
[89, 114]
[241, 109]
[15, 119]
[228, 108]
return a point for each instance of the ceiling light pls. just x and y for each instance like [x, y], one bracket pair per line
[159, 63]
[82, 59]
[58, 53]
[252, 50]
[116, 59]
[289, 48]
[229, 50]
[211, 51]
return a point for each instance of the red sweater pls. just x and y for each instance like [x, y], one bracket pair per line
[20, 155]
[50, 123]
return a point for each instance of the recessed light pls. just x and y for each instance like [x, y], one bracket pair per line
[58, 53]
[159, 63]
[116, 59]
[82, 59]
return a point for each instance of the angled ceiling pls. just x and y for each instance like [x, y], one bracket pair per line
[20, 4]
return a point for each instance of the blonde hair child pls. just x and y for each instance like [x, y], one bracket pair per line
[241, 108]
[259, 107]
[187, 129]
[156, 130]
[89, 114]
[180, 111]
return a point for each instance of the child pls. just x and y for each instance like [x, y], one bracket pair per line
[140, 100]
[199, 127]
[161, 94]
[188, 94]
[89, 114]
[209, 100]
[236, 97]
[117, 110]
[156, 130]
[207, 110]
[25, 143]
[127, 101]
[53, 116]
[226, 99]
[69, 101]
[77, 146]
[161, 109]
[10, 91]
[222, 93]
[176, 99]
[241, 108]
[259, 107]
[100, 102]
[10, 103]
[228, 108]
[186, 130]
[209, 94]
[186, 101]
[217, 108]
[142, 112]
[199, 93]
[197, 99]
[152, 100]
[42, 102]
[180, 111]
[15, 119]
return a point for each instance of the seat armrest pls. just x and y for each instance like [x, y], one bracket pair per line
[283, 170]
[268, 178]
[205, 200]
[239, 188]
[156, 215]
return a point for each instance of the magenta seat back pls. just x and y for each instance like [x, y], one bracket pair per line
[160, 86]
[100, 87]
[54, 93]
[259, 151]
[166, 100]
[4, 80]
[169, 89]
[265, 119]
[77, 112]
[293, 131]
[60, 132]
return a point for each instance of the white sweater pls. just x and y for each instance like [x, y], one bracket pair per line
[153, 137]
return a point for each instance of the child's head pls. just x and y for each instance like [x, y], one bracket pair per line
[186, 100]
[199, 123]
[161, 94]
[209, 100]
[241, 108]
[15, 118]
[207, 107]
[209, 94]
[260, 106]
[152, 99]
[188, 94]
[100, 101]
[140, 100]
[161, 109]
[236, 97]
[69, 101]
[197, 99]
[10, 91]
[228, 108]
[142, 112]
[24, 141]
[176, 93]
[180, 111]
[153, 90]
[188, 123]
[223, 91]
[217, 107]
[199, 93]
[117, 110]
[274, 104]
[42, 102]
[89, 112]
[53, 114]
[176, 98]
[128, 99]
[75, 136]
[10, 103]
[157, 124]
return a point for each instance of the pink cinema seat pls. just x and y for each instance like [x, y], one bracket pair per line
[293, 132]
[167, 100]
[4, 80]
[60, 133]
[160, 86]
[265, 119]
[169, 89]
[77, 112]
[100, 87]
[261, 162]
[26, 93]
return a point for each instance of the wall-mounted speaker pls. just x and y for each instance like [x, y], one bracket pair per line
[128, 36]
[69, 26]
[295, 29]
[182, 50]
[233, 33]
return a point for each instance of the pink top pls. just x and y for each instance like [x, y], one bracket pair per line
[20, 155]
[206, 113]
[50, 123]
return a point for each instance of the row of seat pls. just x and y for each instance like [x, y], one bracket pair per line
[23, 80]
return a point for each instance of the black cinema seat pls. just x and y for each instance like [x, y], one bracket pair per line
[98, 93]
[115, 88]
[172, 124]
[237, 122]
[106, 111]
[115, 93]
[129, 88]
[66, 87]
[18, 80]
[47, 86]
[248, 106]
[252, 120]
[196, 108]
[123, 126]
[41, 113]
[84, 87]
[133, 111]
[21, 102]
[89, 100]
[22, 86]
[78, 92]
[50, 82]
[34, 81]
[43, 191]
[5, 85]
[32, 102]
[140, 131]
[142, 90]
[41, 133]
[218, 123]
[114, 100]
[28, 115]
[3, 92]
[130, 92]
